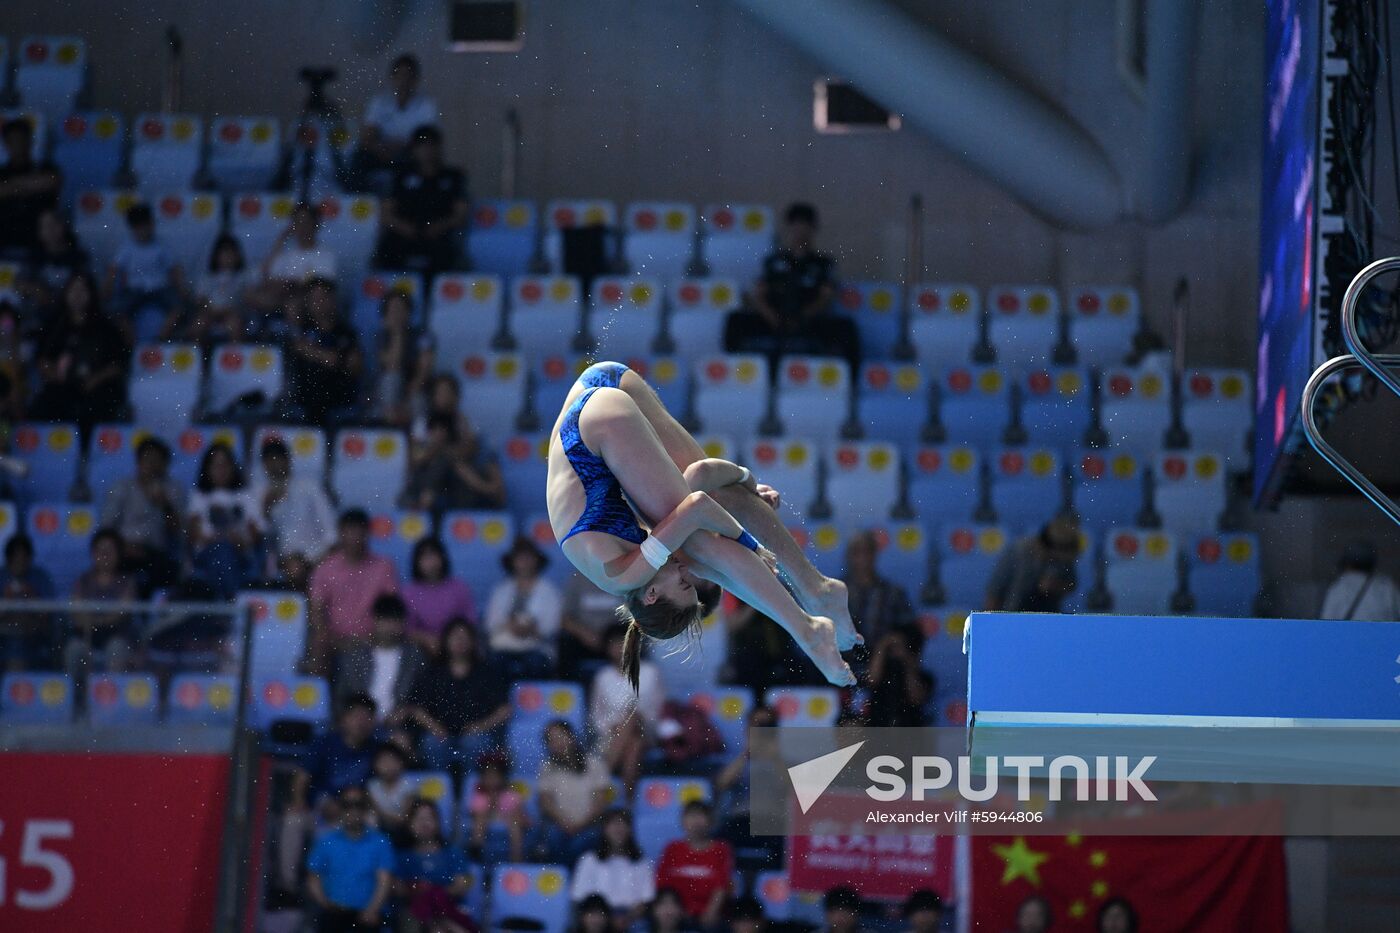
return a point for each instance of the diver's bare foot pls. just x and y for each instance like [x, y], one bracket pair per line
[833, 601]
[820, 645]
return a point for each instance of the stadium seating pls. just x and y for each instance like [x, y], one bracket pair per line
[1103, 322]
[625, 320]
[698, 310]
[974, 405]
[369, 468]
[244, 153]
[657, 811]
[530, 893]
[1189, 492]
[257, 220]
[502, 238]
[122, 700]
[826, 547]
[36, 699]
[241, 371]
[9, 522]
[1135, 409]
[50, 71]
[1055, 406]
[1107, 487]
[789, 466]
[1024, 325]
[804, 706]
[166, 151]
[534, 705]
[88, 150]
[874, 307]
[188, 447]
[862, 482]
[668, 376]
[366, 309]
[201, 700]
[944, 325]
[290, 699]
[350, 229]
[187, 225]
[475, 543]
[967, 555]
[731, 395]
[1223, 574]
[945, 483]
[903, 555]
[1141, 571]
[564, 215]
[736, 239]
[99, 222]
[696, 664]
[279, 630]
[51, 451]
[728, 708]
[813, 398]
[306, 444]
[892, 403]
[538, 529]
[551, 378]
[659, 239]
[546, 314]
[165, 385]
[525, 463]
[394, 533]
[111, 457]
[466, 314]
[782, 905]
[1027, 486]
[1217, 413]
[943, 657]
[435, 787]
[493, 393]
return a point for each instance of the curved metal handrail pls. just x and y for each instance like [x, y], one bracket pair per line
[1351, 333]
[1314, 434]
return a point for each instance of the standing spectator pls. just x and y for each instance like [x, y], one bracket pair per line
[55, 258]
[522, 616]
[144, 282]
[699, 867]
[923, 912]
[146, 510]
[452, 472]
[667, 914]
[107, 633]
[226, 524]
[587, 615]
[389, 666]
[434, 597]
[1036, 573]
[82, 359]
[27, 189]
[617, 871]
[389, 791]
[425, 212]
[1034, 915]
[1117, 915]
[746, 916]
[295, 509]
[404, 353]
[791, 302]
[326, 362]
[432, 877]
[26, 642]
[350, 869]
[623, 720]
[442, 395]
[460, 705]
[392, 117]
[877, 605]
[899, 687]
[591, 915]
[759, 654]
[498, 817]
[220, 294]
[573, 794]
[298, 256]
[344, 587]
[1361, 592]
[842, 908]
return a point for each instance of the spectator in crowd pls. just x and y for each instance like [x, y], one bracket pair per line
[1361, 592]
[56, 256]
[522, 616]
[734, 782]
[1036, 573]
[923, 912]
[144, 282]
[389, 665]
[14, 379]
[591, 915]
[877, 604]
[1034, 915]
[746, 916]
[452, 472]
[698, 866]
[899, 687]
[1116, 915]
[617, 871]
[498, 817]
[841, 906]
[220, 294]
[297, 257]
[759, 653]
[790, 305]
[326, 362]
[27, 189]
[622, 720]
[82, 358]
[226, 524]
[392, 117]
[432, 877]
[146, 510]
[107, 633]
[587, 615]
[667, 914]
[573, 794]
[294, 509]
[389, 791]
[405, 356]
[434, 597]
[425, 212]
[350, 869]
[344, 587]
[26, 641]
[460, 705]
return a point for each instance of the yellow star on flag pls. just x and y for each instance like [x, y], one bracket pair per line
[1021, 862]
[1098, 859]
[1077, 910]
[1073, 839]
[1100, 889]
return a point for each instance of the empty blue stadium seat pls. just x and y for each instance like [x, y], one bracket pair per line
[813, 397]
[730, 395]
[394, 533]
[728, 708]
[538, 893]
[546, 314]
[245, 153]
[502, 238]
[737, 237]
[903, 556]
[943, 657]
[1055, 406]
[350, 228]
[201, 700]
[370, 468]
[257, 220]
[659, 239]
[121, 700]
[551, 378]
[50, 71]
[789, 466]
[1189, 492]
[1103, 322]
[99, 222]
[1024, 325]
[166, 151]
[291, 698]
[944, 483]
[626, 317]
[243, 369]
[658, 808]
[466, 314]
[1135, 409]
[61, 534]
[51, 453]
[525, 463]
[696, 666]
[892, 403]
[875, 309]
[974, 405]
[825, 544]
[279, 630]
[1027, 486]
[475, 543]
[1223, 574]
[165, 385]
[88, 150]
[493, 393]
[698, 311]
[1107, 487]
[1217, 412]
[1141, 571]
[944, 324]
[668, 376]
[967, 555]
[187, 224]
[804, 706]
[36, 698]
[862, 482]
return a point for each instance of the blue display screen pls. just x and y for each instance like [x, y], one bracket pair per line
[1288, 230]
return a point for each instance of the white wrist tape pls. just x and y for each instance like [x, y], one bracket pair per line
[745, 476]
[655, 552]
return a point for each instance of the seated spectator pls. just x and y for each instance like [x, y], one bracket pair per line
[391, 119]
[109, 634]
[56, 257]
[591, 915]
[344, 587]
[226, 524]
[522, 616]
[790, 305]
[759, 654]
[734, 783]
[584, 620]
[1034, 915]
[498, 817]
[434, 597]
[616, 871]
[388, 667]
[459, 706]
[452, 472]
[432, 877]
[1036, 573]
[220, 294]
[14, 383]
[82, 358]
[389, 791]
[842, 909]
[624, 720]
[877, 604]
[899, 687]
[699, 867]
[326, 362]
[442, 395]
[146, 510]
[923, 912]
[573, 795]
[1361, 592]
[298, 256]
[404, 353]
[350, 869]
[423, 217]
[1117, 915]
[746, 916]
[144, 282]
[667, 914]
[295, 510]
[27, 639]
[27, 189]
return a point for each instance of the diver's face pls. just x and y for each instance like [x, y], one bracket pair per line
[674, 584]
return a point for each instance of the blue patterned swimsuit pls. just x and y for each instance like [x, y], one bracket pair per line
[604, 507]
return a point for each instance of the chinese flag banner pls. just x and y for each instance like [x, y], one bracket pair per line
[1177, 884]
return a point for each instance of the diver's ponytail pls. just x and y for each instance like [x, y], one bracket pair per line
[632, 654]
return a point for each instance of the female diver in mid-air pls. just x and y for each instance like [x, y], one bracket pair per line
[614, 436]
